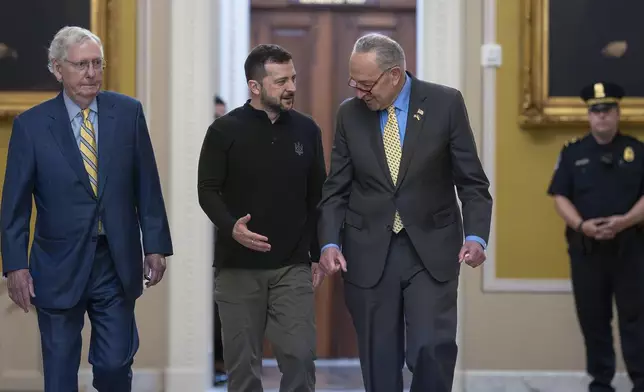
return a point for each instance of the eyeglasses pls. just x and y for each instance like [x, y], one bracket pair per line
[83, 66]
[353, 84]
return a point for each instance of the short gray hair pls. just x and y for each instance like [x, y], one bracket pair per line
[66, 37]
[389, 53]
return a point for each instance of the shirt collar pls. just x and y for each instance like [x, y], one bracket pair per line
[73, 109]
[284, 115]
[402, 100]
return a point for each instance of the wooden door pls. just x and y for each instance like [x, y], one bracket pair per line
[320, 40]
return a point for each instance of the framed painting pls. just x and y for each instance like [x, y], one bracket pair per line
[569, 44]
[26, 31]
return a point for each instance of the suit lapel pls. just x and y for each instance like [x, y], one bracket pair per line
[415, 120]
[61, 129]
[106, 132]
[375, 135]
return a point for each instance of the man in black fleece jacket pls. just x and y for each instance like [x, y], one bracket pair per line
[261, 171]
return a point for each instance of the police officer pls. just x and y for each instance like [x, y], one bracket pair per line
[598, 188]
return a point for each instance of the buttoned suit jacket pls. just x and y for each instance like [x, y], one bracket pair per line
[44, 161]
[439, 154]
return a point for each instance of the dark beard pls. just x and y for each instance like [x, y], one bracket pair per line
[273, 105]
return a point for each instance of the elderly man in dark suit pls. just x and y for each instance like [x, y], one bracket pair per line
[86, 159]
[390, 208]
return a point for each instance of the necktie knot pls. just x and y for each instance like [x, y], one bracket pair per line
[85, 113]
[391, 110]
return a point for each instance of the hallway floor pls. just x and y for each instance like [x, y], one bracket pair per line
[332, 376]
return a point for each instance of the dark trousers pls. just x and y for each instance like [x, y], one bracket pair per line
[278, 303]
[603, 271]
[406, 301]
[114, 338]
[218, 342]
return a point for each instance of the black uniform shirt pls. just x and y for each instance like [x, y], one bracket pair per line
[600, 180]
[272, 171]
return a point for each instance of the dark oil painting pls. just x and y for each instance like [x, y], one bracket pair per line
[581, 35]
[26, 30]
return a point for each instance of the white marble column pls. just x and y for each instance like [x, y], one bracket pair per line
[234, 45]
[192, 79]
[440, 41]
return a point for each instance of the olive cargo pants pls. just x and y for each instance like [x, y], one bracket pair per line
[279, 304]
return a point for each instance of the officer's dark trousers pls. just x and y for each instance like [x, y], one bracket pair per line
[601, 271]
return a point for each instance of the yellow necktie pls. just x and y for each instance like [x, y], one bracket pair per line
[90, 155]
[393, 151]
[89, 151]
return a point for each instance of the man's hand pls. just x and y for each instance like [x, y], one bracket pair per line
[154, 268]
[590, 227]
[472, 254]
[21, 288]
[247, 238]
[609, 227]
[332, 261]
[318, 274]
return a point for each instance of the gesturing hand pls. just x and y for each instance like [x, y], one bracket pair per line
[318, 274]
[247, 238]
[472, 254]
[332, 260]
[21, 288]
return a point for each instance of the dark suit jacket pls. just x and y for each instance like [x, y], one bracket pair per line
[44, 161]
[359, 199]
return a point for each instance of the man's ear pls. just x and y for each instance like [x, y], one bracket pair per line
[397, 74]
[55, 66]
[255, 87]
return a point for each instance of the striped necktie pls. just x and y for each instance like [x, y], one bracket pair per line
[89, 151]
[393, 151]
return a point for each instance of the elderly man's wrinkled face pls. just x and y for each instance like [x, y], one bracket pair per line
[375, 86]
[81, 73]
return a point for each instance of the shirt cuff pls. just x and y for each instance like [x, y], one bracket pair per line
[477, 239]
[329, 246]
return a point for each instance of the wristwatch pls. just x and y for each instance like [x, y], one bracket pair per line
[580, 224]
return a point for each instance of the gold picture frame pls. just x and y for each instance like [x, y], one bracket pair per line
[539, 109]
[101, 18]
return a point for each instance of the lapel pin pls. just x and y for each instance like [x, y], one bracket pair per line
[420, 112]
[417, 117]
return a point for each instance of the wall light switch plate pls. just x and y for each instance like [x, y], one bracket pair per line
[491, 55]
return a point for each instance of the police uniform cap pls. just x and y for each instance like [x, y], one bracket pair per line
[602, 96]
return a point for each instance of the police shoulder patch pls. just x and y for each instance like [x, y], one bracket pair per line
[571, 141]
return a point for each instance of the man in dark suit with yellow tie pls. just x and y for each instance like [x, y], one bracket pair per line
[389, 207]
[86, 158]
